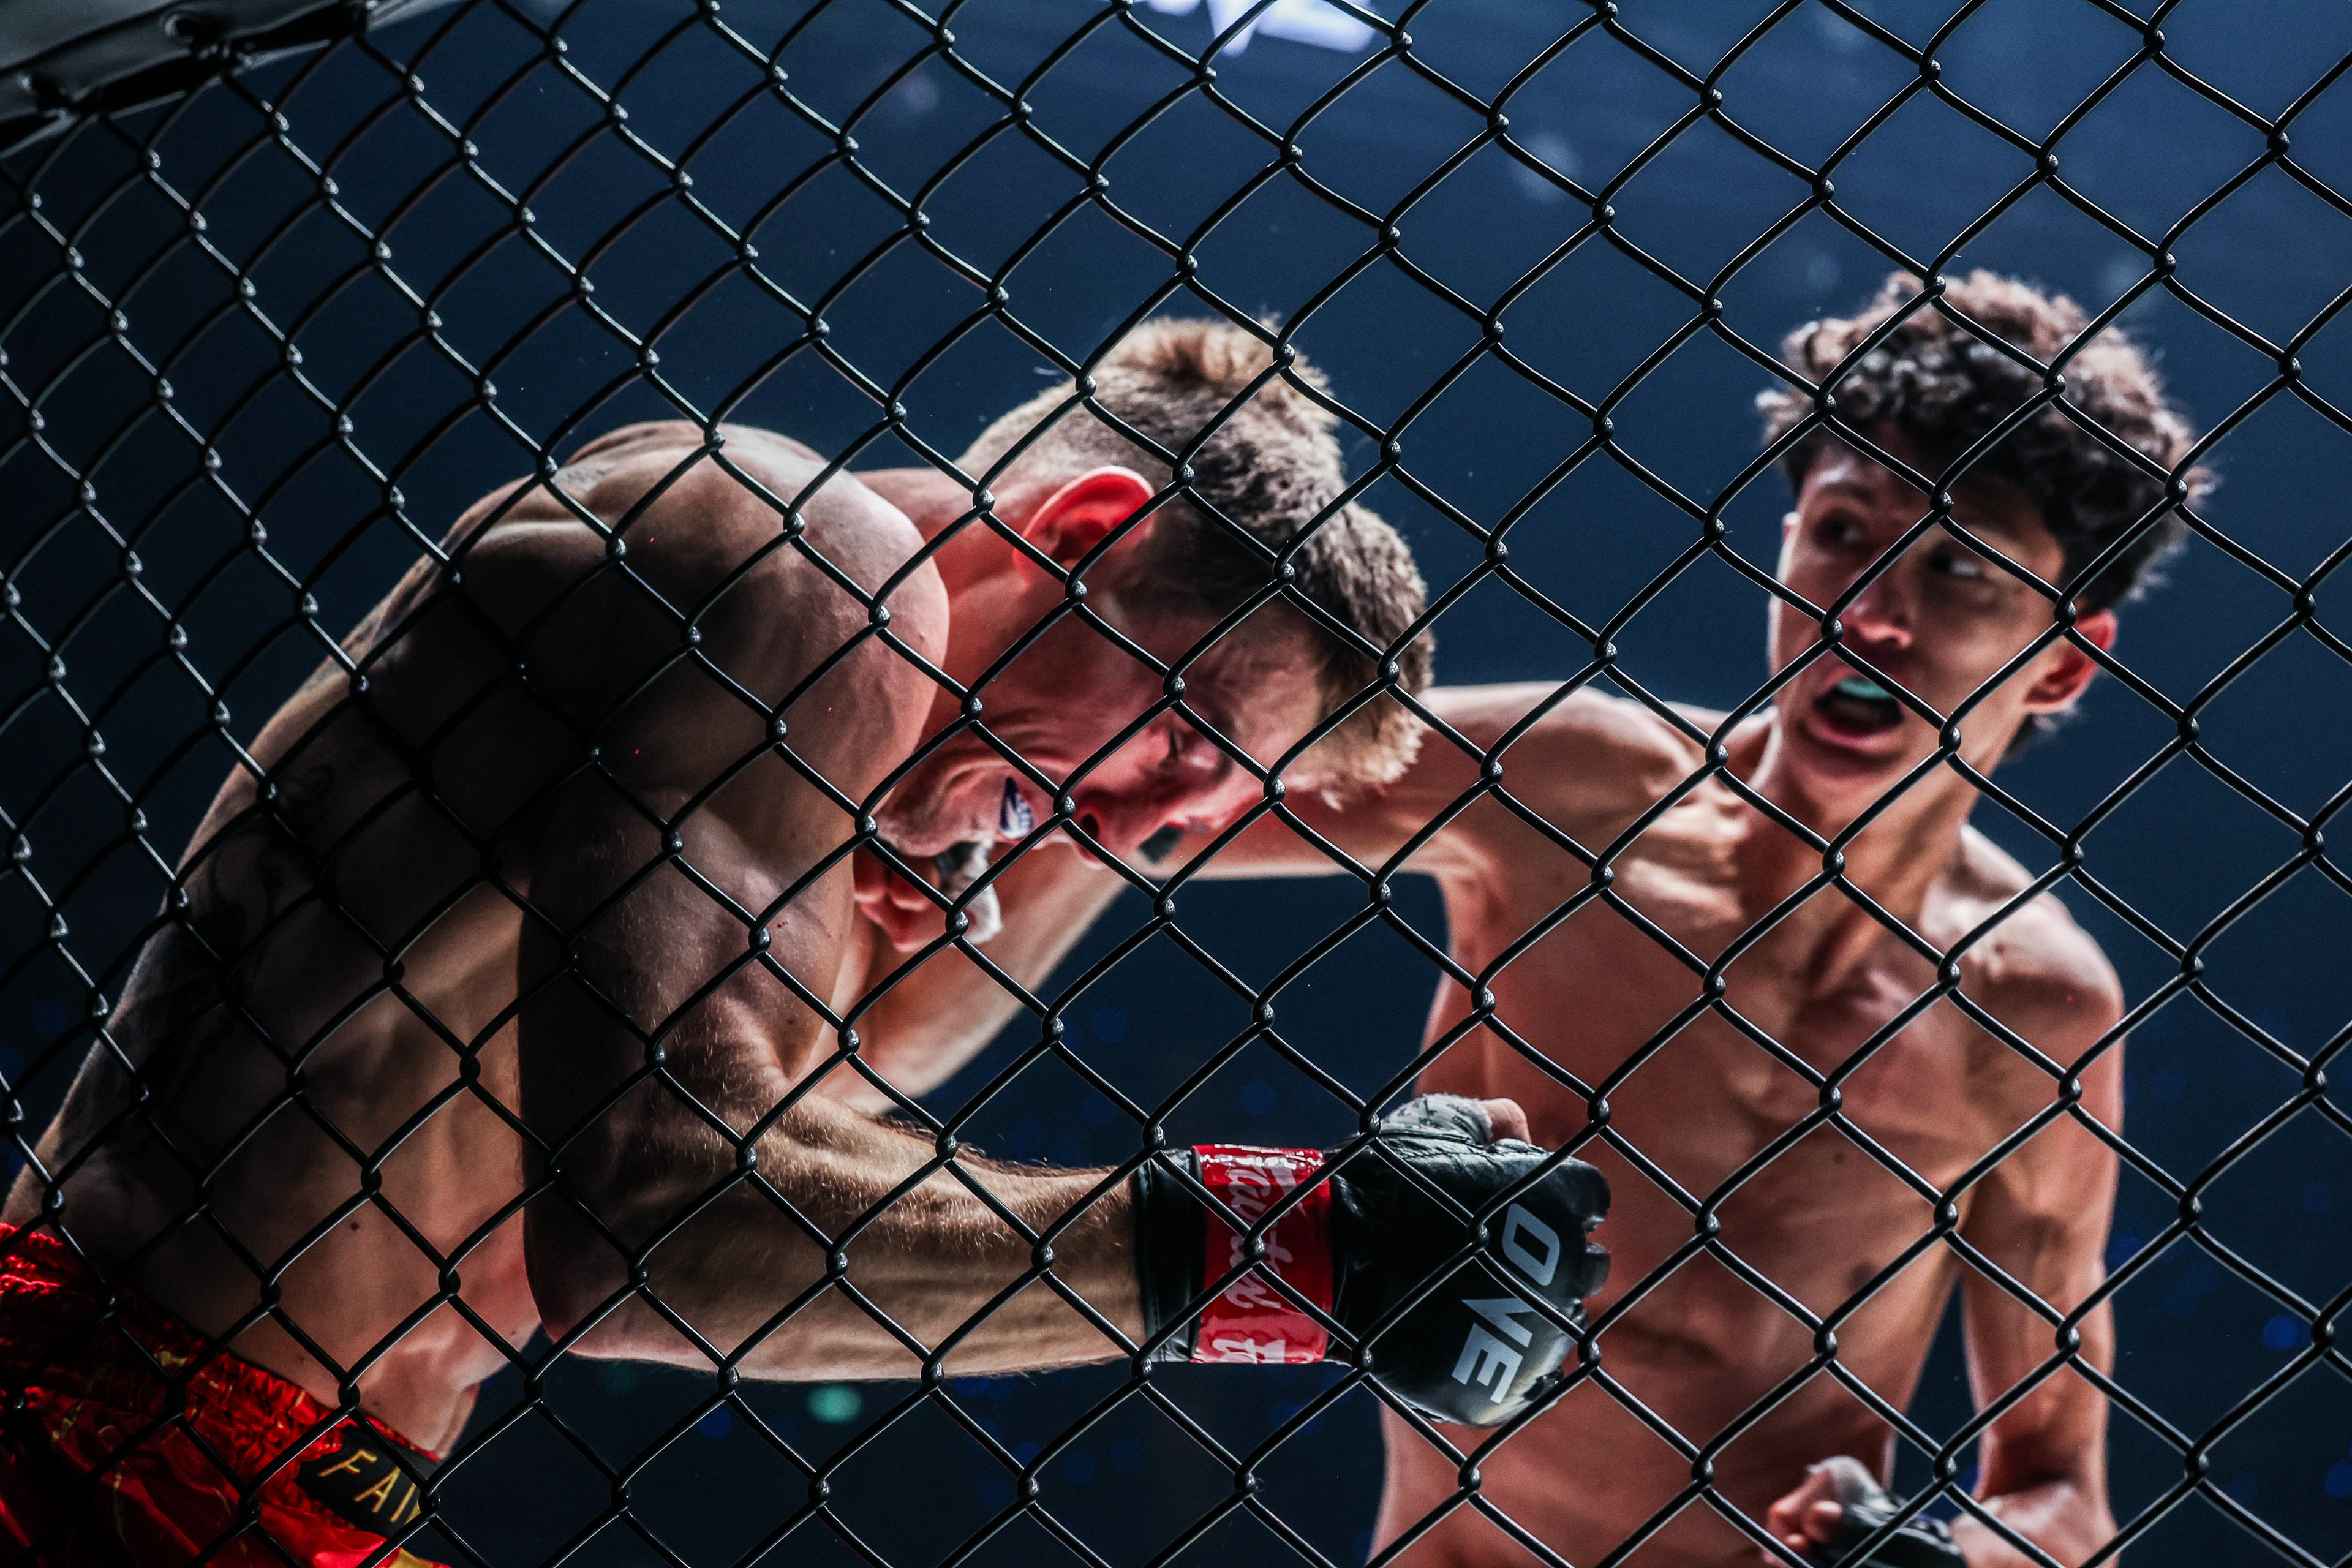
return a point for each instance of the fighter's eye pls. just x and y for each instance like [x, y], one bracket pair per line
[1838, 529]
[1956, 564]
[1186, 745]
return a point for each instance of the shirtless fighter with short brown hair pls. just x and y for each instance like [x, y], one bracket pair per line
[1716, 1141]
[521, 978]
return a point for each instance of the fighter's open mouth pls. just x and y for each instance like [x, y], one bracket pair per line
[1859, 706]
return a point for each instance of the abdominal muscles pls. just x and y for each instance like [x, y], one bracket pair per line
[1720, 1269]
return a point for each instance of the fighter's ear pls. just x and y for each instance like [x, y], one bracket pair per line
[2070, 669]
[1075, 519]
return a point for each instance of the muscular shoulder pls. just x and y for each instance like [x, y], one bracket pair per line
[709, 517]
[2035, 969]
[676, 590]
[747, 548]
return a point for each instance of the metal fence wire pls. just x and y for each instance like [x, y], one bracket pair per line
[288, 289]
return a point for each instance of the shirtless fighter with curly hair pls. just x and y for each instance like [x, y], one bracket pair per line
[1663, 994]
[1718, 996]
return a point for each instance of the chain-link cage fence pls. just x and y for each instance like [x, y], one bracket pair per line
[468, 946]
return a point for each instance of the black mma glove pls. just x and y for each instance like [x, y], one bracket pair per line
[1363, 1241]
[1921, 1542]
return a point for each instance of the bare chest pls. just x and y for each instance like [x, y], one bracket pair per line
[1718, 1033]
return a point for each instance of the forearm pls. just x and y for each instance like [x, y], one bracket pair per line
[1310, 836]
[2041, 1219]
[921, 1247]
[2066, 1518]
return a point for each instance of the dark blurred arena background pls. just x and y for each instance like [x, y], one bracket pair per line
[418, 230]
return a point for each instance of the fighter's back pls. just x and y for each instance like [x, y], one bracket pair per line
[1614, 994]
[322, 1143]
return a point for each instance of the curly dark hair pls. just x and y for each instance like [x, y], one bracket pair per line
[1944, 387]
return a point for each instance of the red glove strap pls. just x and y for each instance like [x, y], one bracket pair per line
[1250, 1319]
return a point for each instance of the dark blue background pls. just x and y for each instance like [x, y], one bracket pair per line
[465, 345]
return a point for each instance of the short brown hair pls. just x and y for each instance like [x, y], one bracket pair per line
[1269, 473]
[1944, 387]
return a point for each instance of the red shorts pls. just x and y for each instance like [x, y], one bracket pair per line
[127, 1441]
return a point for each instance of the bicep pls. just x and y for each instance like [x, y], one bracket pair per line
[692, 886]
[666, 969]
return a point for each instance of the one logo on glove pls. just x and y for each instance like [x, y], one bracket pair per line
[1490, 1356]
[1251, 1321]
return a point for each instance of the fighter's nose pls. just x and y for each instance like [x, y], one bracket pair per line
[1879, 617]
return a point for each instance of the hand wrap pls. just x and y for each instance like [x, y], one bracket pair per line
[1922, 1543]
[1369, 1246]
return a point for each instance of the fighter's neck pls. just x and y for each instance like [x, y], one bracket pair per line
[1894, 861]
[994, 590]
[937, 504]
